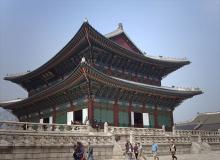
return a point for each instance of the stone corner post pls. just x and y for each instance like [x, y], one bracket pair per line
[131, 137]
[174, 129]
[105, 127]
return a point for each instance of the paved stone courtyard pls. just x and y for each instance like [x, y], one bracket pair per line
[213, 155]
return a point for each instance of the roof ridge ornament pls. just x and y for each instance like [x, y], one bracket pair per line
[83, 60]
[120, 26]
[86, 20]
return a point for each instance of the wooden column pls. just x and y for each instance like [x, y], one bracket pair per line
[171, 118]
[90, 110]
[116, 113]
[129, 112]
[156, 118]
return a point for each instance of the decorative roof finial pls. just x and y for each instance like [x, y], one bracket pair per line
[120, 26]
[83, 60]
[86, 20]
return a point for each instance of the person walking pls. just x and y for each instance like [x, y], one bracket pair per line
[154, 149]
[136, 151]
[140, 150]
[129, 150]
[90, 152]
[173, 150]
[79, 152]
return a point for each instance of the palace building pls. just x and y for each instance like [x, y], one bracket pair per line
[104, 78]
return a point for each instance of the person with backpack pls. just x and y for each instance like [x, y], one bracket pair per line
[173, 150]
[129, 150]
[79, 152]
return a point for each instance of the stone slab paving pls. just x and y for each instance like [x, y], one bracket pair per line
[213, 155]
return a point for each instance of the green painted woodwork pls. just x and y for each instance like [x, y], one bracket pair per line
[163, 120]
[104, 115]
[123, 119]
[64, 106]
[151, 120]
[61, 118]
[35, 120]
[97, 114]
[46, 113]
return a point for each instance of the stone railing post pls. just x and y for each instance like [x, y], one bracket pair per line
[163, 128]
[174, 130]
[88, 126]
[56, 128]
[131, 137]
[199, 138]
[105, 127]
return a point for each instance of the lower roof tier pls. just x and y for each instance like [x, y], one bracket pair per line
[86, 81]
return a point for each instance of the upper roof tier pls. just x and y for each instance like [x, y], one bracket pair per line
[117, 42]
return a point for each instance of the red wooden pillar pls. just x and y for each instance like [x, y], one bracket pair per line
[156, 118]
[171, 118]
[129, 113]
[116, 111]
[90, 110]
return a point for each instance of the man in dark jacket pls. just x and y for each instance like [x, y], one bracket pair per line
[79, 151]
[173, 150]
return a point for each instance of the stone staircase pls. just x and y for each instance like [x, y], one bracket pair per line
[199, 147]
[118, 152]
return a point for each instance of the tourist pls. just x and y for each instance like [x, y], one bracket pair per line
[89, 152]
[154, 149]
[97, 126]
[129, 150]
[100, 125]
[136, 150]
[79, 152]
[140, 150]
[173, 150]
[74, 151]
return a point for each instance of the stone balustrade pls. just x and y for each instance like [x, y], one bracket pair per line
[43, 127]
[146, 135]
[137, 131]
[210, 139]
[196, 133]
[162, 139]
[17, 138]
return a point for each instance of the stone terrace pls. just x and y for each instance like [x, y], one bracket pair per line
[32, 141]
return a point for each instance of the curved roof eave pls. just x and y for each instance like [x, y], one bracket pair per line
[166, 62]
[129, 84]
[120, 30]
[50, 62]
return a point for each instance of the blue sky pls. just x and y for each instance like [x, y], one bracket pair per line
[31, 32]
